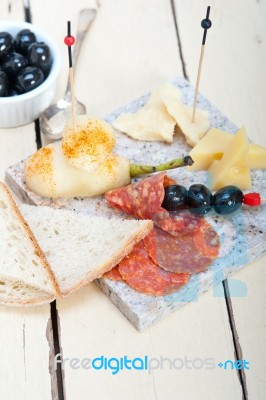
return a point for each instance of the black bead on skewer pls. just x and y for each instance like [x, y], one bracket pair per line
[206, 24]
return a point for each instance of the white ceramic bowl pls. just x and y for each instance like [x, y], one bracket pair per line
[25, 108]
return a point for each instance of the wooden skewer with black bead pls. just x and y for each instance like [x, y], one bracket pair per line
[206, 24]
[69, 41]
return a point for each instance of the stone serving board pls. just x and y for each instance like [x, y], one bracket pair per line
[242, 234]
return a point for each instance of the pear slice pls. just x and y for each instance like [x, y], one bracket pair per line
[88, 144]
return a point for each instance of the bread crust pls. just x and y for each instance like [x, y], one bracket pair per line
[36, 246]
[36, 302]
[97, 273]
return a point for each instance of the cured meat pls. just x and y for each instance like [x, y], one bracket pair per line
[172, 224]
[189, 253]
[143, 275]
[144, 200]
[114, 274]
[206, 240]
[168, 181]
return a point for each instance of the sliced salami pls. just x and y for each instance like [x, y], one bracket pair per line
[180, 222]
[114, 274]
[189, 253]
[144, 200]
[141, 199]
[143, 275]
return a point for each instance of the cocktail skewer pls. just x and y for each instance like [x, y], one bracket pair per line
[206, 24]
[69, 41]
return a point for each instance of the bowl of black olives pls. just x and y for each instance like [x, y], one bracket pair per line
[29, 67]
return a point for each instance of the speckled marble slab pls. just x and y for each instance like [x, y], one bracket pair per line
[242, 234]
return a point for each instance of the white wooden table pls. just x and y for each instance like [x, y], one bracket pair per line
[133, 46]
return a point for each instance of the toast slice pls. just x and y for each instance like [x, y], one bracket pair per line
[22, 262]
[79, 247]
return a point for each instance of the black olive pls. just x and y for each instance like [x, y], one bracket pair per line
[28, 79]
[4, 84]
[175, 198]
[227, 200]
[39, 55]
[13, 63]
[6, 43]
[199, 199]
[23, 39]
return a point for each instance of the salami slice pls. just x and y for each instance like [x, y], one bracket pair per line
[141, 199]
[143, 275]
[188, 253]
[172, 224]
[144, 200]
[114, 274]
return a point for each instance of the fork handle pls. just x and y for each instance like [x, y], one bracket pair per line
[85, 19]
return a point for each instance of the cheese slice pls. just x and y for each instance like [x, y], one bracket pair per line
[256, 157]
[171, 98]
[232, 169]
[182, 114]
[164, 92]
[152, 122]
[211, 147]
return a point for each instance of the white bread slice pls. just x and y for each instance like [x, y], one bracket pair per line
[21, 259]
[17, 294]
[80, 248]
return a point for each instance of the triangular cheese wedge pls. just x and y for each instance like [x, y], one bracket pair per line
[232, 168]
[210, 147]
[256, 156]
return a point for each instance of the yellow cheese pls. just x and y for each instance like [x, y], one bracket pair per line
[210, 148]
[232, 169]
[238, 175]
[256, 156]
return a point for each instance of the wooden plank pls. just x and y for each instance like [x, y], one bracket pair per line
[233, 78]
[24, 366]
[12, 9]
[16, 144]
[249, 315]
[116, 54]
[131, 48]
[198, 330]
